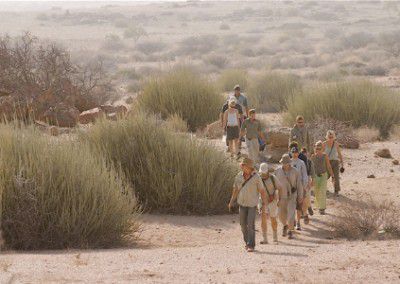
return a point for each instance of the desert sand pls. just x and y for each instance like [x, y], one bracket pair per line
[190, 249]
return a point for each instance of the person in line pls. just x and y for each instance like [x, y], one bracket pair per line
[251, 128]
[224, 109]
[300, 134]
[241, 99]
[247, 189]
[292, 192]
[332, 149]
[321, 166]
[307, 196]
[273, 189]
[302, 168]
[231, 123]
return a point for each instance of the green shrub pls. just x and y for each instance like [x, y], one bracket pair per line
[357, 102]
[270, 91]
[182, 92]
[171, 172]
[57, 195]
[231, 77]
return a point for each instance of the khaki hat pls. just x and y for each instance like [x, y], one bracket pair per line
[264, 169]
[247, 162]
[253, 110]
[318, 145]
[237, 87]
[232, 102]
[285, 159]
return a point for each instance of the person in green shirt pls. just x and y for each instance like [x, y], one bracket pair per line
[251, 129]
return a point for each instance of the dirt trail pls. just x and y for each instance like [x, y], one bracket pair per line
[176, 249]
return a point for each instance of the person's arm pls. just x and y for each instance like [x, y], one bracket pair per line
[242, 130]
[328, 165]
[238, 118]
[225, 120]
[235, 193]
[260, 133]
[279, 188]
[299, 185]
[246, 107]
[262, 191]
[339, 150]
[304, 174]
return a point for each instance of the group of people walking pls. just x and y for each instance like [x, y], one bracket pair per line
[285, 193]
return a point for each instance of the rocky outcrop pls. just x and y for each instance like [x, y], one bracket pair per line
[61, 115]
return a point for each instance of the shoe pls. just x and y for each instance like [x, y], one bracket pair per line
[249, 249]
[275, 237]
[298, 227]
[310, 211]
[336, 194]
[264, 242]
[306, 220]
[322, 211]
[285, 231]
[290, 235]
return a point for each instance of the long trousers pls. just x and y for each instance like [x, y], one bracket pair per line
[247, 217]
[287, 211]
[320, 191]
[335, 164]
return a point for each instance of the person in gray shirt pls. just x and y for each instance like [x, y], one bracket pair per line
[292, 194]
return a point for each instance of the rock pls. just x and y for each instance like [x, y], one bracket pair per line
[129, 100]
[356, 182]
[383, 153]
[61, 115]
[391, 170]
[110, 109]
[90, 116]
[371, 176]
[274, 155]
[214, 130]
[349, 142]
[395, 162]
[278, 137]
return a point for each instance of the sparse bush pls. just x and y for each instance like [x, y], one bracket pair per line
[375, 70]
[357, 40]
[270, 91]
[150, 46]
[135, 33]
[198, 45]
[217, 60]
[57, 195]
[113, 42]
[231, 77]
[357, 102]
[224, 27]
[391, 42]
[183, 92]
[171, 173]
[369, 220]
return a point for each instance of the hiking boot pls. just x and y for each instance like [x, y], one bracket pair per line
[275, 236]
[298, 227]
[306, 220]
[285, 231]
[322, 212]
[310, 211]
[250, 249]
[290, 235]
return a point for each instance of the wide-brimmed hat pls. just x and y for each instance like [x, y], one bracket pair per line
[237, 87]
[285, 159]
[264, 169]
[232, 102]
[247, 162]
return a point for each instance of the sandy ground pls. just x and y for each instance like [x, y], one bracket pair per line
[176, 249]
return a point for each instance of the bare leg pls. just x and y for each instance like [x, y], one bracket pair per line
[264, 227]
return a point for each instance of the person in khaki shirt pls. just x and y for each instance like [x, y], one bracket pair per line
[300, 134]
[291, 196]
[247, 189]
[273, 189]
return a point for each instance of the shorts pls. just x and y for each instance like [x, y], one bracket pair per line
[232, 132]
[272, 209]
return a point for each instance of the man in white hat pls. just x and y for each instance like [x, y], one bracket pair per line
[273, 189]
[292, 193]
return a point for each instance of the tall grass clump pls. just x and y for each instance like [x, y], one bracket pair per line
[270, 91]
[182, 92]
[359, 103]
[231, 77]
[57, 195]
[171, 173]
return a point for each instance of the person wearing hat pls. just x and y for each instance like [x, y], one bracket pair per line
[292, 194]
[321, 167]
[232, 122]
[302, 168]
[332, 149]
[224, 109]
[247, 189]
[300, 134]
[241, 99]
[273, 190]
[251, 128]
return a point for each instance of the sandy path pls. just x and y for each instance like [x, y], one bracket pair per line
[210, 249]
